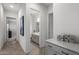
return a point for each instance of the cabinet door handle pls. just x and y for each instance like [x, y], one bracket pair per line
[65, 53]
[49, 46]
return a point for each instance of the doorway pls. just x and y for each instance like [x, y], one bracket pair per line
[50, 25]
[34, 30]
[11, 28]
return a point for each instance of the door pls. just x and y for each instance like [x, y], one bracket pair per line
[11, 28]
[50, 26]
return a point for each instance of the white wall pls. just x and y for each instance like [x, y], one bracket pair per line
[24, 40]
[66, 19]
[50, 8]
[43, 22]
[10, 14]
[2, 27]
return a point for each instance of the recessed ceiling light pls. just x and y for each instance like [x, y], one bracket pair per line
[11, 6]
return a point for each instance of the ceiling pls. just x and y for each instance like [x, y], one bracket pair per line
[15, 8]
[47, 4]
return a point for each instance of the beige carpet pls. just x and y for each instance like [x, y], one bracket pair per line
[12, 48]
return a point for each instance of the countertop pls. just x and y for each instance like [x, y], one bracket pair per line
[36, 33]
[71, 46]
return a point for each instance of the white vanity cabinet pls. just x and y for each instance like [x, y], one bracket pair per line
[35, 37]
[52, 49]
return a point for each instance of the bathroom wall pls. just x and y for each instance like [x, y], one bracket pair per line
[32, 24]
[43, 21]
[50, 8]
[2, 27]
[66, 19]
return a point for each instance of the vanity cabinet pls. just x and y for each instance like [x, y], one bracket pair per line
[35, 38]
[52, 49]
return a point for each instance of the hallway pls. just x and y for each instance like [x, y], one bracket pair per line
[12, 48]
[21, 21]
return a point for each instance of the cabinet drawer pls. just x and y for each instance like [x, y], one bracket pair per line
[67, 52]
[49, 51]
[54, 47]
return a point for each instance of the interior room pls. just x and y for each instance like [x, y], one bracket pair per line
[11, 43]
[39, 29]
[34, 29]
[24, 26]
[38, 34]
[65, 39]
[58, 28]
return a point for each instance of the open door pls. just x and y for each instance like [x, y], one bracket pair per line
[50, 26]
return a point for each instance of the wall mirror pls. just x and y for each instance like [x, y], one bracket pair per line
[35, 20]
[34, 25]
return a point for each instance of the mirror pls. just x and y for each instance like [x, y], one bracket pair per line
[35, 20]
[34, 26]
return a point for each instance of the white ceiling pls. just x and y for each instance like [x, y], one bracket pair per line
[47, 4]
[17, 6]
[14, 9]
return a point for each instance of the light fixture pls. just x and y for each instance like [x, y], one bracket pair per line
[38, 19]
[11, 6]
